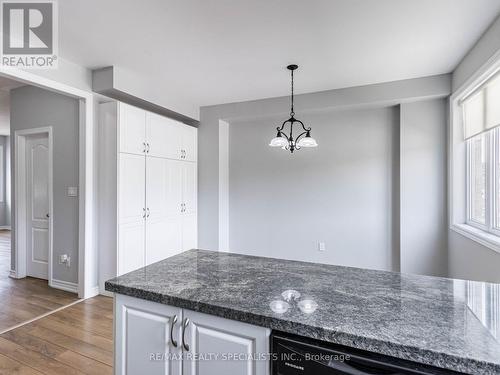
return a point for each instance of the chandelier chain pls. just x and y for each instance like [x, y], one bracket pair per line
[292, 113]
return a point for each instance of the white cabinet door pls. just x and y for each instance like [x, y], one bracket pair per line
[163, 202]
[163, 238]
[132, 124]
[142, 337]
[131, 187]
[131, 242]
[207, 334]
[163, 187]
[164, 136]
[190, 142]
[189, 232]
[189, 186]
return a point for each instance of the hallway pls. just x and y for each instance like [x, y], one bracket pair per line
[28, 298]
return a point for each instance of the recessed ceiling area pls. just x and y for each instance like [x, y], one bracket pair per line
[212, 52]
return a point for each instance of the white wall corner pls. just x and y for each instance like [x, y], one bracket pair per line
[223, 186]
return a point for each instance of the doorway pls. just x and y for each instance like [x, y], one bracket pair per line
[34, 182]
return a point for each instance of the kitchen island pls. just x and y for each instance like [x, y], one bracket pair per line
[212, 302]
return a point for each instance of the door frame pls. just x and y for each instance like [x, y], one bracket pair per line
[87, 185]
[21, 195]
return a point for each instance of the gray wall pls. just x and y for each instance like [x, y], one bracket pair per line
[468, 259]
[32, 107]
[359, 157]
[386, 94]
[423, 188]
[282, 205]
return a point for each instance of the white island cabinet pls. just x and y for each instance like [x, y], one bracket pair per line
[157, 339]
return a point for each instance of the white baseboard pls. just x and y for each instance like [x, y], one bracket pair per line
[13, 274]
[64, 285]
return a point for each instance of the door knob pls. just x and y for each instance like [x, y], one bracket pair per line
[47, 216]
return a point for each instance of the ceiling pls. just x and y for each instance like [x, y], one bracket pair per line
[220, 51]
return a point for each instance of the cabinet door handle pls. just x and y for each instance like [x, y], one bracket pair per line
[147, 151]
[144, 147]
[147, 212]
[184, 326]
[143, 212]
[174, 320]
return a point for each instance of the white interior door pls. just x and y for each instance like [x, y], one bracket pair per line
[38, 206]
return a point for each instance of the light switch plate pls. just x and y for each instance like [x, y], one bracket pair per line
[72, 191]
[321, 246]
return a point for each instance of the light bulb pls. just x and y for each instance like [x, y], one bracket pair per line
[278, 142]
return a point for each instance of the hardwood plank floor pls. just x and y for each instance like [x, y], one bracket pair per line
[75, 340]
[25, 299]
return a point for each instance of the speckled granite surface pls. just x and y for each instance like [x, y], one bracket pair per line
[419, 318]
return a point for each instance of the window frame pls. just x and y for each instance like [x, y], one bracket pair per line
[492, 185]
[457, 162]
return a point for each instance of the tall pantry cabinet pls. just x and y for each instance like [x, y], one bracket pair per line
[148, 188]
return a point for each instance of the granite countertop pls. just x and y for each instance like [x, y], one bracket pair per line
[436, 321]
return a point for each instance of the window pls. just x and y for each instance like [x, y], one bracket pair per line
[477, 151]
[481, 116]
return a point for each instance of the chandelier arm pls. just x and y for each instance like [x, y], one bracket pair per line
[283, 134]
[300, 135]
[303, 126]
[280, 128]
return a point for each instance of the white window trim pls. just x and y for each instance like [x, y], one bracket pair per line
[458, 164]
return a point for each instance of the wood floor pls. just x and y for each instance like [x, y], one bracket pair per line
[28, 298]
[75, 340]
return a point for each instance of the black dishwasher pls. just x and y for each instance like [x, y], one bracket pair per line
[296, 355]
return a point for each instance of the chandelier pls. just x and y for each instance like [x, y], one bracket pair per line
[288, 142]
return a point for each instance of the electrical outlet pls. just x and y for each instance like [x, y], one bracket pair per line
[321, 246]
[65, 259]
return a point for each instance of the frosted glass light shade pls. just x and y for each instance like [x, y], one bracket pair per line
[307, 141]
[278, 142]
